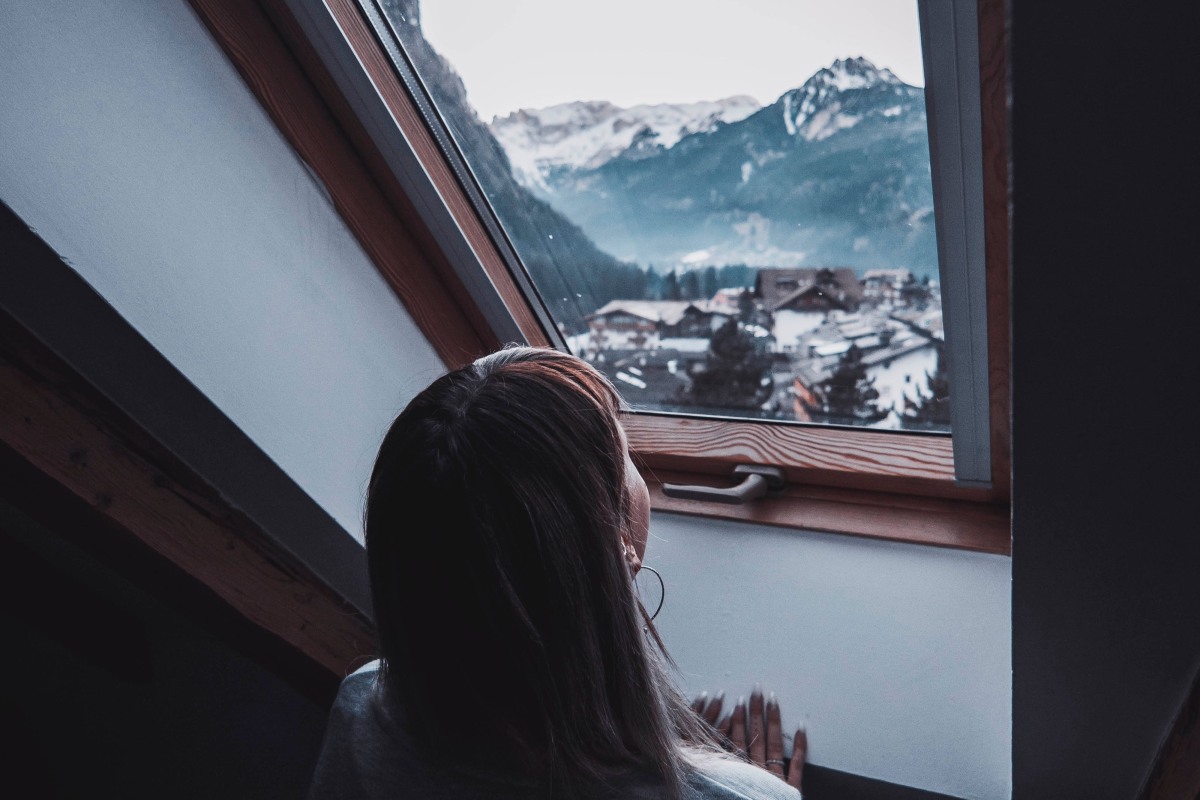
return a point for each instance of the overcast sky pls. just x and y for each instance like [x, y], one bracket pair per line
[533, 53]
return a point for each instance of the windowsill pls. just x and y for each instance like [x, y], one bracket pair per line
[936, 522]
[856, 482]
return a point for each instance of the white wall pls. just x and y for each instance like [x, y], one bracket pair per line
[134, 149]
[895, 656]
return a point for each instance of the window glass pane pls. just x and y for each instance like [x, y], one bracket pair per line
[728, 211]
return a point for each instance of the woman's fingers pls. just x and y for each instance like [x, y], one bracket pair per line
[712, 709]
[737, 727]
[725, 725]
[799, 756]
[774, 737]
[709, 708]
[756, 732]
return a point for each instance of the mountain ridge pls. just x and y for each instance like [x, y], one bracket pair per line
[586, 134]
[836, 170]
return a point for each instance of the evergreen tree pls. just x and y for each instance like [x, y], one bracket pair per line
[914, 293]
[737, 371]
[689, 286]
[848, 396]
[654, 285]
[670, 286]
[708, 283]
[732, 275]
[746, 306]
[930, 411]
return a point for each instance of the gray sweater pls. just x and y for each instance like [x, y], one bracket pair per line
[366, 754]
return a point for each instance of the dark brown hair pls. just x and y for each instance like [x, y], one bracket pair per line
[503, 601]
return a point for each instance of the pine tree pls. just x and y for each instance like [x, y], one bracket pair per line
[708, 283]
[654, 285]
[670, 286]
[689, 286]
[848, 396]
[746, 306]
[930, 410]
[736, 371]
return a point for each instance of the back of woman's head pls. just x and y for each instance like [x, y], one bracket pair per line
[502, 598]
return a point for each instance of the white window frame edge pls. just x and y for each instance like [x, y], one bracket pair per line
[950, 49]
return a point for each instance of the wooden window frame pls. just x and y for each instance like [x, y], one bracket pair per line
[866, 483]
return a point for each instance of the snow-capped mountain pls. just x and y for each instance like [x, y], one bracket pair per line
[828, 101]
[585, 135]
[834, 172]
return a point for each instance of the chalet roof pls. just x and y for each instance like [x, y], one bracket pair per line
[726, 300]
[857, 330]
[776, 287]
[882, 354]
[834, 294]
[668, 312]
[893, 275]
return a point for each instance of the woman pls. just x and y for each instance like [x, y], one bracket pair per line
[505, 522]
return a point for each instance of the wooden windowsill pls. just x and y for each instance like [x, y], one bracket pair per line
[861, 483]
[937, 522]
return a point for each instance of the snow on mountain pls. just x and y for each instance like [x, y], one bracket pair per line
[584, 135]
[835, 171]
[817, 110]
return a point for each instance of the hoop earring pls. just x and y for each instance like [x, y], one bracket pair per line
[663, 593]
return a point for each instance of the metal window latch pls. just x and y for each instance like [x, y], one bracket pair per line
[758, 481]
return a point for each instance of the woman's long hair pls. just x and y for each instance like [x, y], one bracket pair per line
[510, 629]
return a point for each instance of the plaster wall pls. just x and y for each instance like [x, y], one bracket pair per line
[133, 148]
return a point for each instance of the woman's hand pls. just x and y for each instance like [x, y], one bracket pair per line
[756, 732]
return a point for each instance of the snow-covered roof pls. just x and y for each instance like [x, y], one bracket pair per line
[684, 344]
[857, 330]
[895, 275]
[832, 349]
[668, 312]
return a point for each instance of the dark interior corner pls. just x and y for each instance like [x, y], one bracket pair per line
[122, 676]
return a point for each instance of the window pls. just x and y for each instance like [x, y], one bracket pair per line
[845, 476]
[710, 215]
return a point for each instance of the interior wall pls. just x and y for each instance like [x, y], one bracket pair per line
[894, 656]
[135, 150]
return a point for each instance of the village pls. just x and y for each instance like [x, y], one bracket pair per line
[801, 344]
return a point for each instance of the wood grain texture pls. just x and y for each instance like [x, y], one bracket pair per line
[283, 89]
[993, 92]
[863, 459]
[961, 525]
[54, 421]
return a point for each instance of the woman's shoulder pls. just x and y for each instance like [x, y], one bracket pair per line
[717, 778]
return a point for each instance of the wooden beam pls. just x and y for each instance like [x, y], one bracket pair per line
[64, 429]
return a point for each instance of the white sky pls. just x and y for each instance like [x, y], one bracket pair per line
[532, 53]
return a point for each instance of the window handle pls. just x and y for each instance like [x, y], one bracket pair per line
[758, 481]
